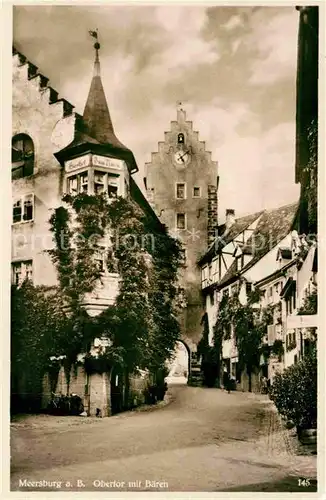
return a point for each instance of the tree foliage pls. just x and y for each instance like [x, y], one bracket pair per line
[141, 327]
[294, 392]
[38, 330]
[142, 324]
[248, 322]
[310, 304]
[311, 171]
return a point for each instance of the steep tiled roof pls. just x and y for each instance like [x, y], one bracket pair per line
[276, 274]
[237, 228]
[272, 227]
[96, 117]
[94, 130]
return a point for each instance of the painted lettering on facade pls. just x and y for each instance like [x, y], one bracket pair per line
[77, 163]
[102, 161]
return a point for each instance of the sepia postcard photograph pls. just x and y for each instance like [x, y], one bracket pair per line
[164, 252]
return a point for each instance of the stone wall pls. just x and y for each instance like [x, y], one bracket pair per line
[162, 175]
[95, 389]
[36, 112]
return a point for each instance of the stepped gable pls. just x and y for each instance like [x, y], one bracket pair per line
[273, 227]
[32, 72]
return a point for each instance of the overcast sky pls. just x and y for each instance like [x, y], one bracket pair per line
[233, 68]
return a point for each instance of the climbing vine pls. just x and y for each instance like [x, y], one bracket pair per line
[310, 304]
[141, 325]
[38, 331]
[311, 171]
[248, 323]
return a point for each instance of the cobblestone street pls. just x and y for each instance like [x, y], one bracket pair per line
[202, 440]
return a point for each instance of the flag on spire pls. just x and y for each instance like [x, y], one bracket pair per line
[93, 34]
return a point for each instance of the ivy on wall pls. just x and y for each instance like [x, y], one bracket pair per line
[310, 304]
[50, 328]
[311, 173]
[38, 331]
[249, 324]
[142, 325]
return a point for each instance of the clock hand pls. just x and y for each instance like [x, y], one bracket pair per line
[184, 154]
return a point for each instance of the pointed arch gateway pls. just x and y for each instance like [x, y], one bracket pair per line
[179, 365]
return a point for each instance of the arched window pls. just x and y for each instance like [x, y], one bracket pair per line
[181, 138]
[22, 156]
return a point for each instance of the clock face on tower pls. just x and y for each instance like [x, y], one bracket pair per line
[182, 157]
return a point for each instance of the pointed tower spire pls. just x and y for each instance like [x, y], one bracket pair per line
[96, 116]
[94, 130]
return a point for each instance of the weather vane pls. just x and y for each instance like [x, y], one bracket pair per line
[94, 34]
[97, 46]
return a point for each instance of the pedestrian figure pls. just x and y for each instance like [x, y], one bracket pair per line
[227, 381]
[264, 385]
[228, 385]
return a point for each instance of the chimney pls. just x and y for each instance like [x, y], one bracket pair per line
[229, 217]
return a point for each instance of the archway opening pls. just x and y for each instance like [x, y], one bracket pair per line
[179, 364]
[116, 386]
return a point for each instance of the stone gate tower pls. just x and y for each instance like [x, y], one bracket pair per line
[181, 182]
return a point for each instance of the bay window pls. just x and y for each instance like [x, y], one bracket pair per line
[104, 183]
[83, 183]
[112, 187]
[99, 182]
[78, 183]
